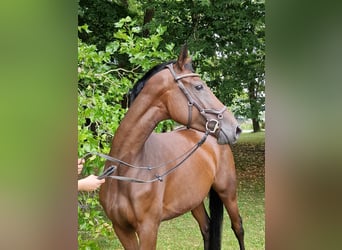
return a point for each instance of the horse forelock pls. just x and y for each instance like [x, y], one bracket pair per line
[134, 92]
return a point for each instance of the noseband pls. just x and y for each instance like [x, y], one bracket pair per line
[191, 102]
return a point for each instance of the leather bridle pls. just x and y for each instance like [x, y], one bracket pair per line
[212, 125]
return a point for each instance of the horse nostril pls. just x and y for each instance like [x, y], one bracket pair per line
[238, 131]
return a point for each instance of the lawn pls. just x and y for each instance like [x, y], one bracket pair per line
[183, 232]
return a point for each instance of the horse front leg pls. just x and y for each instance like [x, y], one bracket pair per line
[201, 216]
[147, 233]
[127, 237]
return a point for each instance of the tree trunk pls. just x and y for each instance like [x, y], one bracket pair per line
[252, 94]
[149, 13]
[256, 125]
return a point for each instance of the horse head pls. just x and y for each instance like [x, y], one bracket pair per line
[174, 91]
[192, 103]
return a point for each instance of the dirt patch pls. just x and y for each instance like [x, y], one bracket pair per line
[249, 160]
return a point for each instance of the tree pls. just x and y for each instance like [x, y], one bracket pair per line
[228, 40]
[100, 16]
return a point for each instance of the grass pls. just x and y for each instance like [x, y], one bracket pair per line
[252, 138]
[249, 154]
[183, 232]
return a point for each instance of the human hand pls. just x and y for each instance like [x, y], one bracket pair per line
[89, 183]
[80, 163]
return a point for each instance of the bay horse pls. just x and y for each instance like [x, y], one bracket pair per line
[161, 176]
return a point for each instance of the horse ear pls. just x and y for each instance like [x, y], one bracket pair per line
[183, 56]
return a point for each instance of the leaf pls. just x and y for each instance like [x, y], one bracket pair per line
[121, 35]
[113, 47]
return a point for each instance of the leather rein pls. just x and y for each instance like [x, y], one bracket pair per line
[191, 102]
[110, 170]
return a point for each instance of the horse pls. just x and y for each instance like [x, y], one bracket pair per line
[159, 176]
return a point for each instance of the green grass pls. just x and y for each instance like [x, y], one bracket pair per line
[183, 232]
[253, 138]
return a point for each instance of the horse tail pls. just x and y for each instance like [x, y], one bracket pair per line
[216, 218]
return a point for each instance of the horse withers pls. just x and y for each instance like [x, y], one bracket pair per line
[161, 176]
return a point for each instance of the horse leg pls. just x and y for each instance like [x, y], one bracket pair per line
[147, 234]
[236, 220]
[127, 237]
[201, 216]
[229, 199]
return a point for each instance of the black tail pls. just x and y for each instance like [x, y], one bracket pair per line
[216, 218]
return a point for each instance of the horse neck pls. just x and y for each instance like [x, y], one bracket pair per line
[137, 125]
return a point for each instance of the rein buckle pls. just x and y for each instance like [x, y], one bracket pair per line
[216, 125]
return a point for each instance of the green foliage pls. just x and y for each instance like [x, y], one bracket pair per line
[143, 52]
[101, 17]
[99, 97]
[92, 222]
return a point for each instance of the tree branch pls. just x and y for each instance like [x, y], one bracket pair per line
[119, 69]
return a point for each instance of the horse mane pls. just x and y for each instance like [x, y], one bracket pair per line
[134, 92]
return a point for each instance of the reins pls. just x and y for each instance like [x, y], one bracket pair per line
[109, 171]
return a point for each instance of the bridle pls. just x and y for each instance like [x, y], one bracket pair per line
[214, 123]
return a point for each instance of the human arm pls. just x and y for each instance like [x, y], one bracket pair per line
[89, 183]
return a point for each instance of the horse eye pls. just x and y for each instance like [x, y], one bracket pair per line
[199, 87]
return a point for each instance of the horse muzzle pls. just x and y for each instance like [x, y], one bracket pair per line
[228, 137]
